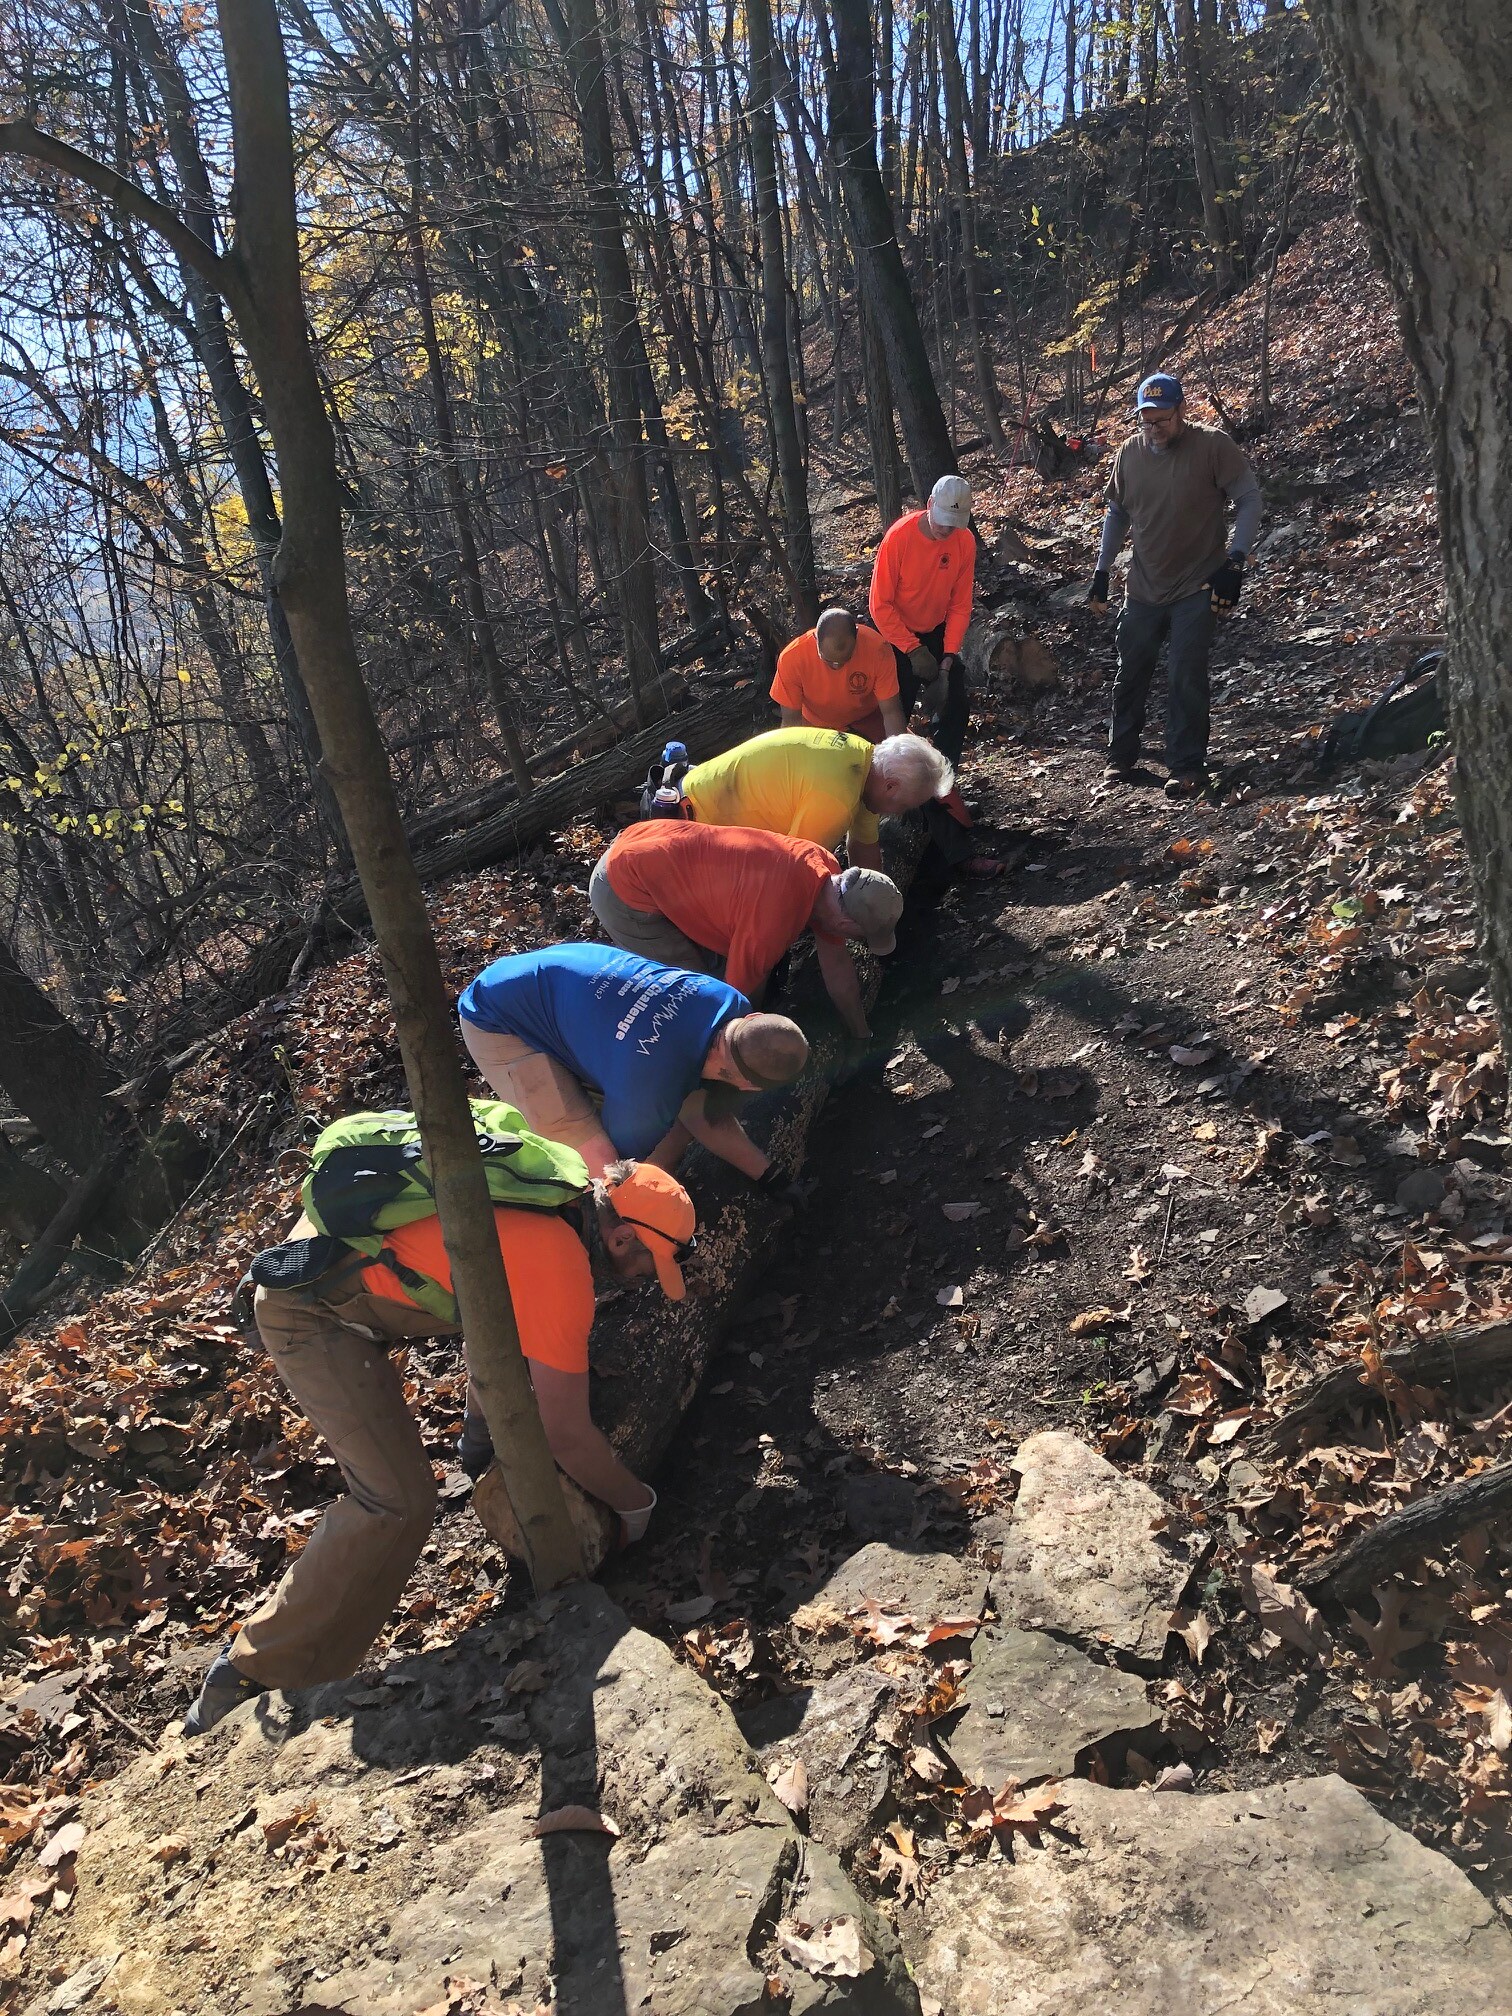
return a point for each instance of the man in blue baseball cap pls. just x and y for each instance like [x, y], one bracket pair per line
[1170, 490]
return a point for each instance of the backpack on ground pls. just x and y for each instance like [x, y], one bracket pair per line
[1405, 718]
[662, 794]
[368, 1176]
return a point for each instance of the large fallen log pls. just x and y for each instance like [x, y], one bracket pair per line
[1453, 1358]
[650, 1356]
[710, 726]
[1395, 1541]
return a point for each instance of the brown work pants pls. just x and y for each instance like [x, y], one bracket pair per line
[330, 1343]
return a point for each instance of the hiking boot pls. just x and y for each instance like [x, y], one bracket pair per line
[1118, 773]
[475, 1450]
[1185, 784]
[223, 1688]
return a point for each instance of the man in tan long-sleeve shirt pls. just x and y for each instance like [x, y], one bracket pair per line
[1171, 485]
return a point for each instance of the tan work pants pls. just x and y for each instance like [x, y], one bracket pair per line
[330, 1345]
[553, 1102]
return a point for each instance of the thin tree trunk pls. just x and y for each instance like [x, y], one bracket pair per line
[776, 362]
[260, 278]
[485, 640]
[960, 176]
[926, 438]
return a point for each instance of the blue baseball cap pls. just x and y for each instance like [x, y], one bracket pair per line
[1159, 394]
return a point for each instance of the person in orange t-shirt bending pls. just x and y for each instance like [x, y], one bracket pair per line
[689, 895]
[331, 1339]
[840, 675]
[922, 584]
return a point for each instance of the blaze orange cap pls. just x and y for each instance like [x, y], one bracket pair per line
[662, 1213]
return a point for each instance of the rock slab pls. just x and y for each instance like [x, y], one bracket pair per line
[1297, 1900]
[1090, 1553]
[1034, 1705]
[847, 1782]
[923, 1586]
[358, 1846]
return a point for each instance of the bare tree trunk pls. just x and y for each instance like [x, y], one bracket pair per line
[926, 438]
[485, 640]
[887, 473]
[960, 177]
[260, 279]
[1425, 98]
[577, 31]
[1206, 151]
[49, 1071]
[777, 363]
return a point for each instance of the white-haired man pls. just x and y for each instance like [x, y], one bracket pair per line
[813, 784]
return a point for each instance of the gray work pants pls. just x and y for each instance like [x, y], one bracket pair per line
[1186, 628]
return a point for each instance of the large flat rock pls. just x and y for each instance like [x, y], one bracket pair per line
[1091, 1554]
[1298, 1900]
[847, 1780]
[1035, 1705]
[356, 1847]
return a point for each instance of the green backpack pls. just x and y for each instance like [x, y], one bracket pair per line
[368, 1176]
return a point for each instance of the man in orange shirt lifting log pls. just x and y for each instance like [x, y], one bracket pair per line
[690, 895]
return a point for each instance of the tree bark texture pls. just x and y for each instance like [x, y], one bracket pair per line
[49, 1071]
[777, 362]
[1424, 95]
[852, 88]
[311, 576]
[577, 30]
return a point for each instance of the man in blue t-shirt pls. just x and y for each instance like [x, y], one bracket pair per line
[623, 1058]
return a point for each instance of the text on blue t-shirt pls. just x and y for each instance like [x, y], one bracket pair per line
[635, 1030]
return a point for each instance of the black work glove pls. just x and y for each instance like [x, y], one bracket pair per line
[1226, 582]
[781, 1189]
[1097, 594]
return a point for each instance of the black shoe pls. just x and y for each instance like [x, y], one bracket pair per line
[475, 1450]
[1186, 784]
[223, 1688]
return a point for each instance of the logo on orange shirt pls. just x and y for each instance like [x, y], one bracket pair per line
[857, 682]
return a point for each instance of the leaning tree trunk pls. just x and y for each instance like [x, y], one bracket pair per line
[1425, 98]
[260, 279]
[852, 89]
[49, 1071]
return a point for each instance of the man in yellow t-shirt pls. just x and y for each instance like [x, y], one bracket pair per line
[815, 784]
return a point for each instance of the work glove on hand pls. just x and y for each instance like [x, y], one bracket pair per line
[925, 664]
[633, 1524]
[1097, 594]
[782, 1189]
[1227, 581]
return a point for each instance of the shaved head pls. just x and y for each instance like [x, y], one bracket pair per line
[835, 635]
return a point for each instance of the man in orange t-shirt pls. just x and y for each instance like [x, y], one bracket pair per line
[331, 1338]
[688, 895]
[922, 583]
[839, 675]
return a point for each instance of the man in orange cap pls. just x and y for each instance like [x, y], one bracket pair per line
[332, 1338]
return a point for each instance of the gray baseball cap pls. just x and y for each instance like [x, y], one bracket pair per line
[874, 903]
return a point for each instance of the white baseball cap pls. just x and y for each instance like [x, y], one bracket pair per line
[950, 504]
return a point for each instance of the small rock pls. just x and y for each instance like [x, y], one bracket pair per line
[1424, 1190]
[1261, 1303]
[1459, 977]
[1034, 1706]
[924, 1586]
[835, 1720]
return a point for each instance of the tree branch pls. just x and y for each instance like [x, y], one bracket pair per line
[20, 136]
